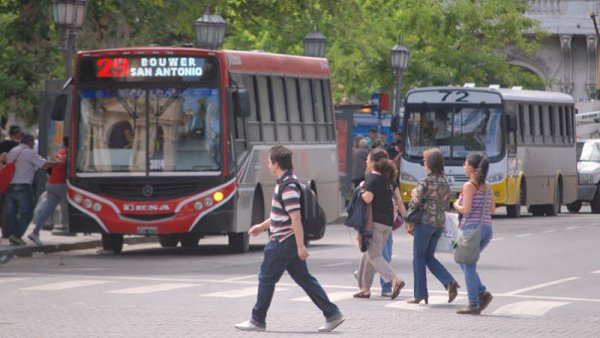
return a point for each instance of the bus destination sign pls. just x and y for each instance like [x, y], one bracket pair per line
[149, 67]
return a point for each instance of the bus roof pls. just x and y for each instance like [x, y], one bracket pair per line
[276, 64]
[237, 61]
[505, 93]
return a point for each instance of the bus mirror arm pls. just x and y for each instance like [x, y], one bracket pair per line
[241, 102]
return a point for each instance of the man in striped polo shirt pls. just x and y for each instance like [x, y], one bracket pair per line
[285, 249]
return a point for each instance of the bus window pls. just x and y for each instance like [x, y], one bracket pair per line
[294, 109]
[307, 111]
[191, 143]
[279, 109]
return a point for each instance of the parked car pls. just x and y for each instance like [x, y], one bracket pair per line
[588, 172]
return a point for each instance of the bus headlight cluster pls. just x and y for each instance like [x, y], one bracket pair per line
[495, 178]
[87, 203]
[586, 178]
[407, 177]
[209, 201]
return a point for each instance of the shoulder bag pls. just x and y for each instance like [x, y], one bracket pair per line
[468, 243]
[414, 215]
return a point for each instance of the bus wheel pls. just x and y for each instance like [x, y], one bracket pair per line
[168, 241]
[112, 242]
[239, 242]
[574, 207]
[554, 208]
[514, 211]
[596, 201]
[190, 240]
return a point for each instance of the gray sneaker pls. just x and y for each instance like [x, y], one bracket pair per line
[35, 239]
[250, 325]
[16, 241]
[332, 323]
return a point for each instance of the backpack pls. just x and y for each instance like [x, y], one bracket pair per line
[6, 173]
[313, 216]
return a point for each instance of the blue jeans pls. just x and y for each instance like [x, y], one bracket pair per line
[55, 193]
[280, 257]
[474, 286]
[425, 239]
[19, 207]
[387, 255]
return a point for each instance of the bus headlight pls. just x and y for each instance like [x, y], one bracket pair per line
[586, 178]
[97, 207]
[218, 196]
[495, 178]
[198, 205]
[87, 203]
[407, 177]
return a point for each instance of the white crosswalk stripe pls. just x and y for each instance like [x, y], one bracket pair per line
[152, 288]
[237, 293]
[433, 300]
[65, 285]
[527, 308]
[333, 296]
[10, 280]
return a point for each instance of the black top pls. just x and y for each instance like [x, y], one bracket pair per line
[7, 145]
[383, 205]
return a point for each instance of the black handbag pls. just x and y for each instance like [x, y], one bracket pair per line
[356, 210]
[413, 215]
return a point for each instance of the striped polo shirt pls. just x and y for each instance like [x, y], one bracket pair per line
[281, 223]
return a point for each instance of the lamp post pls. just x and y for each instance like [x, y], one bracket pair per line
[210, 31]
[399, 59]
[69, 16]
[314, 44]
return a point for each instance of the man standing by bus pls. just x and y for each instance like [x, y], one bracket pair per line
[285, 249]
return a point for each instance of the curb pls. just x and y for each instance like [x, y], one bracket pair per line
[28, 251]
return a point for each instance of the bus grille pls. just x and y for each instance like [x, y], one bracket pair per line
[459, 178]
[139, 191]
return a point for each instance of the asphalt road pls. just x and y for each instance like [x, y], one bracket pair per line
[544, 273]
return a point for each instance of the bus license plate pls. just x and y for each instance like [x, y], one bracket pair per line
[147, 230]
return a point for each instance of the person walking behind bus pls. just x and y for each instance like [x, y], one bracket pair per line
[19, 196]
[432, 193]
[285, 249]
[56, 192]
[470, 205]
[379, 191]
[359, 161]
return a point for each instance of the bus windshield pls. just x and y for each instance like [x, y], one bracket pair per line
[456, 131]
[147, 130]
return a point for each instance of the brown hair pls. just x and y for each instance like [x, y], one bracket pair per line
[480, 163]
[435, 161]
[383, 164]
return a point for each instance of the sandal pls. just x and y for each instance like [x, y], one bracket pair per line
[397, 285]
[362, 294]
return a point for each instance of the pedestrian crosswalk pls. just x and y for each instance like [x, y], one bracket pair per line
[515, 306]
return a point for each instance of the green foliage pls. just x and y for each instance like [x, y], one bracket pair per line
[450, 42]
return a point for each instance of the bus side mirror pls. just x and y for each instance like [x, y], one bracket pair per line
[241, 102]
[511, 123]
[60, 106]
[395, 123]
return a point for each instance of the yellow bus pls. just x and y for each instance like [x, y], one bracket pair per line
[528, 136]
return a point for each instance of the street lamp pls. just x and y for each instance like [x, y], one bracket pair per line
[210, 31]
[314, 44]
[69, 16]
[399, 59]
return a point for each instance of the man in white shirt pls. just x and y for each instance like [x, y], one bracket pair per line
[19, 196]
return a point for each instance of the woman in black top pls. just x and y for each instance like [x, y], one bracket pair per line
[380, 192]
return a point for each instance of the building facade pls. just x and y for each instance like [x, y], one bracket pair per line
[567, 59]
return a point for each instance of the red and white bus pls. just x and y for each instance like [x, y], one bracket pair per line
[174, 142]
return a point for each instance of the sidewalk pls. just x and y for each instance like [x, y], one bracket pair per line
[57, 243]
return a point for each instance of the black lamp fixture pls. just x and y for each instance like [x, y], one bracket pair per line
[314, 44]
[210, 31]
[399, 60]
[69, 13]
